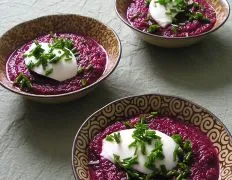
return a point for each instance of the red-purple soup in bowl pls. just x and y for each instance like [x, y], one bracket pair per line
[152, 137]
[173, 23]
[57, 58]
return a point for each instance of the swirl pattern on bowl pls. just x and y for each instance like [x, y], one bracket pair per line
[165, 105]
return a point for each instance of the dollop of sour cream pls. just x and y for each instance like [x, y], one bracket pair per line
[122, 149]
[159, 13]
[61, 71]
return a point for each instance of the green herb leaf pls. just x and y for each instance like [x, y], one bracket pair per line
[174, 28]
[198, 16]
[163, 2]
[156, 154]
[83, 82]
[117, 137]
[109, 138]
[68, 59]
[23, 81]
[196, 5]
[175, 153]
[55, 60]
[48, 72]
[114, 137]
[31, 65]
[153, 28]
[80, 70]
[187, 146]
[36, 52]
[142, 135]
[148, 2]
[126, 164]
[187, 158]
[178, 139]
[128, 124]
[154, 113]
[205, 20]
[89, 67]
[129, 162]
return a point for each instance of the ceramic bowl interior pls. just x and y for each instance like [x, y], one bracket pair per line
[221, 7]
[27, 31]
[182, 109]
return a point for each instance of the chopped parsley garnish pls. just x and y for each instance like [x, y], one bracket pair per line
[23, 81]
[180, 11]
[126, 165]
[129, 162]
[64, 46]
[36, 52]
[156, 154]
[31, 65]
[128, 124]
[184, 153]
[198, 16]
[178, 139]
[83, 82]
[89, 67]
[114, 137]
[68, 59]
[163, 2]
[153, 28]
[48, 72]
[148, 2]
[174, 28]
[154, 113]
[142, 135]
[80, 70]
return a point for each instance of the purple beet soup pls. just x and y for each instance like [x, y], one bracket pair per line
[139, 17]
[91, 53]
[204, 166]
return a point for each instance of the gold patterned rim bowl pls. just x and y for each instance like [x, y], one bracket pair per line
[221, 7]
[63, 23]
[173, 106]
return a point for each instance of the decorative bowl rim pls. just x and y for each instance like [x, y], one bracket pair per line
[134, 96]
[174, 38]
[76, 91]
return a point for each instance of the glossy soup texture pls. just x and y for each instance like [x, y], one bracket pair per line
[90, 53]
[205, 165]
[138, 14]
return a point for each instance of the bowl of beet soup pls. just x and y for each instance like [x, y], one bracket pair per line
[101, 137]
[173, 24]
[57, 58]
